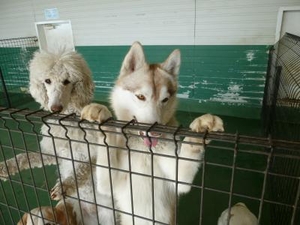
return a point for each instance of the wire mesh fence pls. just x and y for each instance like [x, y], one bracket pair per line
[234, 168]
[15, 54]
[282, 93]
[281, 110]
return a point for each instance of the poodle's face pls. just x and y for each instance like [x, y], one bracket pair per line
[60, 82]
[58, 93]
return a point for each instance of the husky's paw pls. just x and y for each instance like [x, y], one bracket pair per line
[3, 171]
[207, 122]
[95, 112]
[58, 191]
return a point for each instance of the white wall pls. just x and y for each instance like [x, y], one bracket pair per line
[156, 22]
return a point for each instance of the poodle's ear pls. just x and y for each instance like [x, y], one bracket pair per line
[36, 86]
[39, 93]
[83, 91]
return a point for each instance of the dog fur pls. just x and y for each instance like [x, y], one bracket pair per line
[63, 213]
[62, 83]
[239, 215]
[147, 93]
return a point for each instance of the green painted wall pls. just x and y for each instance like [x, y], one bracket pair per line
[225, 80]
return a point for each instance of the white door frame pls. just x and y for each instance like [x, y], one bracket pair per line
[39, 26]
[279, 19]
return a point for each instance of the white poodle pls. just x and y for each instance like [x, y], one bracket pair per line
[62, 83]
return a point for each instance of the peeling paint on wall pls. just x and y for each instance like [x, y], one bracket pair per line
[191, 86]
[250, 55]
[184, 94]
[231, 96]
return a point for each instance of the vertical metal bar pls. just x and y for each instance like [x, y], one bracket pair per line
[72, 160]
[40, 152]
[30, 169]
[267, 96]
[91, 167]
[3, 156]
[43, 118]
[293, 222]
[5, 92]
[13, 149]
[152, 173]
[176, 177]
[5, 198]
[265, 179]
[235, 151]
[203, 179]
[109, 169]
[272, 115]
[42, 161]
[129, 167]
[2, 218]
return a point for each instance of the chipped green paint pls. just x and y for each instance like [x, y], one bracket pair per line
[216, 79]
[225, 80]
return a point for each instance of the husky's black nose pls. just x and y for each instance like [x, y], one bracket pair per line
[56, 108]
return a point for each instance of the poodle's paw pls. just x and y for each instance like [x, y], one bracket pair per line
[58, 191]
[95, 112]
[3, 171]
[207, 122]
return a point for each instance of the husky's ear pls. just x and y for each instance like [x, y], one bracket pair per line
[134, 59]
[172, 63]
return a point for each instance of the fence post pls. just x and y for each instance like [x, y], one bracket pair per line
[5, 93]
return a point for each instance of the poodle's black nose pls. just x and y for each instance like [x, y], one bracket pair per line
[56, 108]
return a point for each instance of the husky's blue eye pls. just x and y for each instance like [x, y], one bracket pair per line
[165, 100]
[141, 97]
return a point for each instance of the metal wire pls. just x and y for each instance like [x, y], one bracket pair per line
[281, 109]
[264, 152]
[15, 54]
[91, 167]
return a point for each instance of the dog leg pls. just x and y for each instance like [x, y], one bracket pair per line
[22, 162]
[69, 185]
[194, 150]
[187, 169]
[95, 112]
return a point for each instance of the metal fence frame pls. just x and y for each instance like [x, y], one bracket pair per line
[15, 54]
[270, 151]
[281, 106]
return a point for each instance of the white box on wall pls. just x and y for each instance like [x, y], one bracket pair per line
[55, 35]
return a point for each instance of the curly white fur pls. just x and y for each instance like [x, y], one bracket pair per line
[62, 82]
[59, 68]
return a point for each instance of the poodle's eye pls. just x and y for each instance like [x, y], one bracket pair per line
[66, 82]
[48, 81]
[165, 100]
[141, 97]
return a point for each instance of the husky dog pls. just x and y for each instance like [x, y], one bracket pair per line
[147, 93]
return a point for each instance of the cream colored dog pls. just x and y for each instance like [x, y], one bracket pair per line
[239, 215]
[147, 93]
[63, 214]
[62, 83]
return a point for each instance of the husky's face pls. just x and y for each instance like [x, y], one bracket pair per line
[146, 93]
